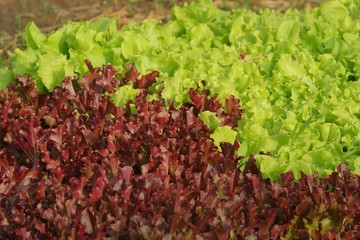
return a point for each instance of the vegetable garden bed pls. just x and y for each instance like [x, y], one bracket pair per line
[217, 124]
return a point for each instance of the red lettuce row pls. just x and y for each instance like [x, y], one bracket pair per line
[75, 166]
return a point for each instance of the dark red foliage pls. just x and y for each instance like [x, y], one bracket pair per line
[144, 82]
[74, 166]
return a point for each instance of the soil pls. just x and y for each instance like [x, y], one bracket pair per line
[51, 14]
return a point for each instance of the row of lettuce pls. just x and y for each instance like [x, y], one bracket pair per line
[296, 74]
[75, 166]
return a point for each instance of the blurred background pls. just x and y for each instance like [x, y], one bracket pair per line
[52, 14]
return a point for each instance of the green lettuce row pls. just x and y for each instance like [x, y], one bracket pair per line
[50, 58]
[295, 73]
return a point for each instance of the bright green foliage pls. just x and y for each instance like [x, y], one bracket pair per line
[6, 77]
[54, 68]
[51, 58]
[220, 133]
[223, 134]
[210, 119]
[34, 38]
[123, 94]
[296, 74]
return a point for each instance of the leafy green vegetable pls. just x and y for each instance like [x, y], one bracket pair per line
[123, 94]
[6, 77]
[210, 119]
[49, 59]
[25, 61]
[52, 69]
[223, 134]
[296, 74]
[34, 38]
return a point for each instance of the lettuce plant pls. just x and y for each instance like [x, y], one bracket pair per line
[296, 74]
[75, 166]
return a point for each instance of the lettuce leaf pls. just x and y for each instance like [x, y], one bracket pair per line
[123, 94]
[210, 119]
[223, 134]
[34, 38]
[6, 77]
[52, 69]
[296, 74]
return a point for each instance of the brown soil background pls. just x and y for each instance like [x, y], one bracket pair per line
[51, 14]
